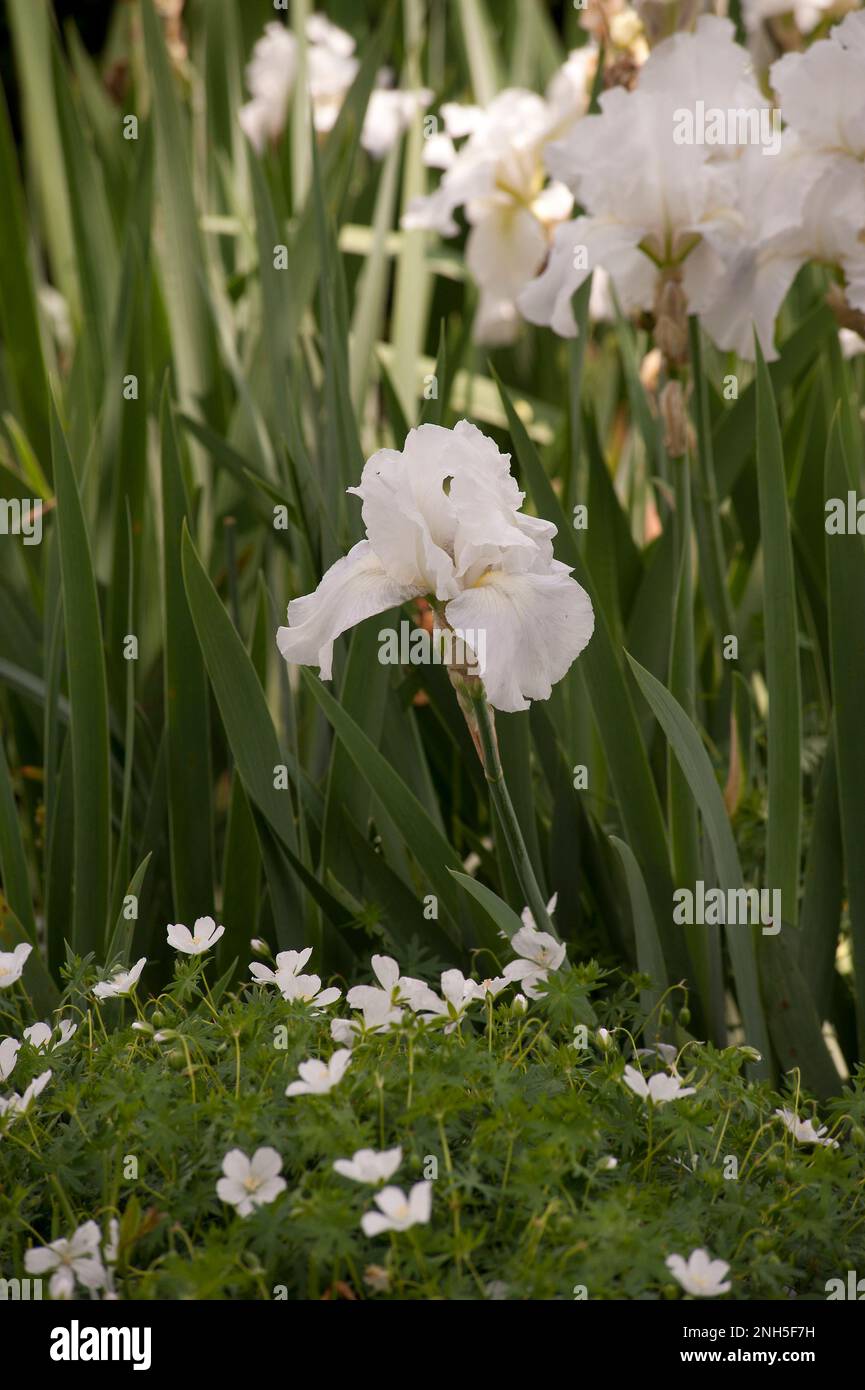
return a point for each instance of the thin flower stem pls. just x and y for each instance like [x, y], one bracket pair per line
[480, 719]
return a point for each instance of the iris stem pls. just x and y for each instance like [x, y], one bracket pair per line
[481, 721]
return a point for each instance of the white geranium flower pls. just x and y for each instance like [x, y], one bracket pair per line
[307, 990]
[8, 1057]
[398, 1212]
[457, 994]
[250, 1183]
[123, 982]
[368, 1166]
[331, 68]
[39, 1035]
[291, 982]
[803, 1131]
[12, 964]
[700, 1275]
[491, 988]
[378, 1014]
[443, 519]
[538, 953]
[380, 1005]
[498, 177]
[653, 206]
[317, 1078]
[72, 1261]
[287, 963]
[658, 1089]
[203, 936]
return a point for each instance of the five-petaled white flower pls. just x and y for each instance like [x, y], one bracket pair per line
[76, 1260]
[443, 519]
[538, 953]
[700, 1275]
[803, 1131]
[39, 1035]
[368, 1166]
[203, 936]
[381, 1004]
[123, 982]
[12, 964]
[291, 983]
[317, 1077]
[288, 963]
[250, 1182]
[457, 994]
[659, 1089]
[307, 990]
[398, 1212]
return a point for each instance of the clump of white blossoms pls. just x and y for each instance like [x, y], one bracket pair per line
[803, 1131]
[443, 521]
[659, 1089]
[659, 212]
[700, 1275]
[498, 177]
[203, 936]
[331, 67]
[398, 1212]
[248, 1183]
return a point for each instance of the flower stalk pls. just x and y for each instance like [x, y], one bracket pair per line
[480, 718]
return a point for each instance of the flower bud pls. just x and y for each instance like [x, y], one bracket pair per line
[671, 322]
[677, 427]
